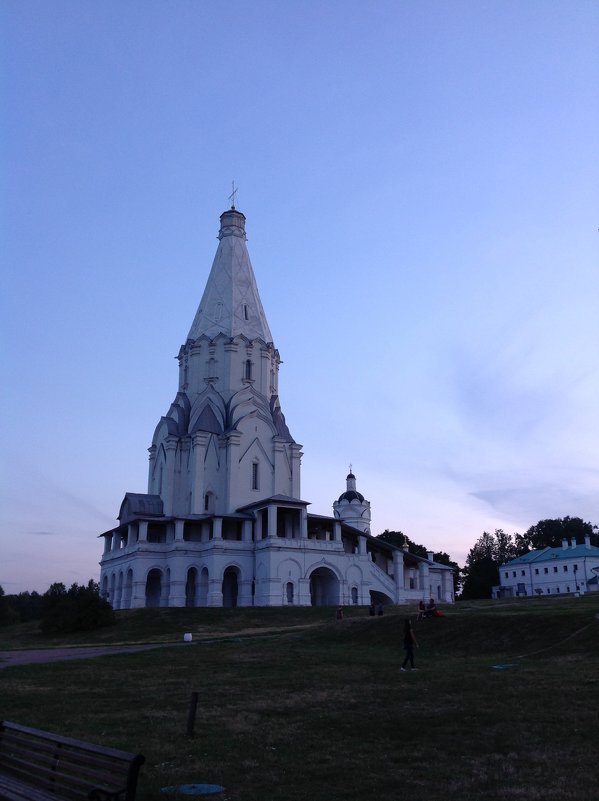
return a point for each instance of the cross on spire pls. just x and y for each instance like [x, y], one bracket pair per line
[232, 195]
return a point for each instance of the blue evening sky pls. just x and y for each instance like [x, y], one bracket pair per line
[421, 187]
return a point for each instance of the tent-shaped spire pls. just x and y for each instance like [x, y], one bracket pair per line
[231, 304]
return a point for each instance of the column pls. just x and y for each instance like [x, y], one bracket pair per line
[398, 572]
[179, 529]
[272, 521]
[130, 534]
[199, 444]
[142, 535]
[246, 530]
[168, 490]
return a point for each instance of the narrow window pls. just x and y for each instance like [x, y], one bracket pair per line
[565, 568]
[536, 571]
[506, 575]
[248, 369]
[546, 569]
[522, 572]
[245, 312]
[555, 568]
[218, 312]
[254, 475]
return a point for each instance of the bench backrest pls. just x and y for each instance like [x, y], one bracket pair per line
[70, 768]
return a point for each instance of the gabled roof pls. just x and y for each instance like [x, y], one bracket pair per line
[136, 504]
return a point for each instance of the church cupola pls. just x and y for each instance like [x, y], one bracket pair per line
[351, 507]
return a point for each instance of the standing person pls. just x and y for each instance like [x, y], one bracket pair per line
[409, 641]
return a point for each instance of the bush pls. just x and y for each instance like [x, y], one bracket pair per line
[77, 609]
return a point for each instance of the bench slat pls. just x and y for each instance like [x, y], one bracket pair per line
[66, 768]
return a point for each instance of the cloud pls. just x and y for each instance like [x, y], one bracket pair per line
[44, 534]
[537, 501]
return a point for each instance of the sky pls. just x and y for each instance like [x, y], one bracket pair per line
[421, 187]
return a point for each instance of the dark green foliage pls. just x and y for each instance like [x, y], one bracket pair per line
[7, 613]
[77, 609]
[399, 539]
[550, 533]
[481, 577]
[25, 606]
[481, 572]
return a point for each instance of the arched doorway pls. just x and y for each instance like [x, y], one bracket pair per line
[324, 587]
[190, 587]
[230, 587]
[289, 591]
[153, 588]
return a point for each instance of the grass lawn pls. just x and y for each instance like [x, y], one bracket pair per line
[294, 706]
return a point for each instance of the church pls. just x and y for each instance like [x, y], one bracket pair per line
[223, 523]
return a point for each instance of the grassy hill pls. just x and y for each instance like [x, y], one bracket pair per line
[295, 706]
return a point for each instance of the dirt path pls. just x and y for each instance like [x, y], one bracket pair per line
[42, 655]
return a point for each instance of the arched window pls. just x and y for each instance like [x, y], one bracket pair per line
[255, 476]
[354, 595]
[248, 370]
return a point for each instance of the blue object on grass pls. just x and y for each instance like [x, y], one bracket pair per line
[193, 789]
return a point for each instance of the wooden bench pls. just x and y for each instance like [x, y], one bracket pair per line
[40, 766]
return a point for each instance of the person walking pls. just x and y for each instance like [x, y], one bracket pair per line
[409, 641]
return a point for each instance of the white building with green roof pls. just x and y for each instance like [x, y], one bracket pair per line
[573, 568]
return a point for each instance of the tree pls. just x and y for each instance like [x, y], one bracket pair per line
[399, 539]
[77, 609]
[550, 533]
[481, 572]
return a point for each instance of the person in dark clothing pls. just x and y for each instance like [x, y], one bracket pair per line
[409, 641]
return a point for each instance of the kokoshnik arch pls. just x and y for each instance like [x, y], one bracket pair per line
[223, 522]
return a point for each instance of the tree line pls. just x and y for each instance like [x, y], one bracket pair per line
[81, 608]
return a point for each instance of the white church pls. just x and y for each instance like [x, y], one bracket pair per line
[223, 522]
